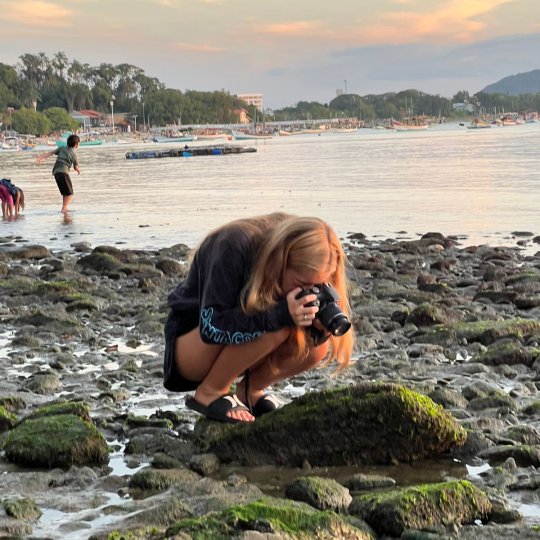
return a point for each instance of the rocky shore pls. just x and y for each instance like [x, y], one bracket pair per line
[433, 432]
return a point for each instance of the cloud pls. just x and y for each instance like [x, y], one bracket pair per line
[36, 14]
[193, 47]
[178, 3]
[455, 20]
[290, 29]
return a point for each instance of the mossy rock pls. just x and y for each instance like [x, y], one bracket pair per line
[18, 285]
[485, 332]
[12, 403]
[321, 493]
[26, 341]
[151, 479]
[23, 509]
[45, 382]
[100, 262]
[123, 255]
[59, 324]
[422, 507]
[76, 408]
[56, 441]
[429, 315]
[26, 252]
[510, 353]
[289, 519]
[59, 291]
[363, 424]
[7, 419]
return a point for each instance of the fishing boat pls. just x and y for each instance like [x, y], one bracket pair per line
[343, 130]
[244, 135]
[87, 138]
[211, 135]
[11, 144]
[478, 123]
[181, 138]
[411, 124]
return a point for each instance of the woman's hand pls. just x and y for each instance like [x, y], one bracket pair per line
[301, 314]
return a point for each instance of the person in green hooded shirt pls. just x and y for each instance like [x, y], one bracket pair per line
[66, 158]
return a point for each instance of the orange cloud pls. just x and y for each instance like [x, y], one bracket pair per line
[192, 47]
[36, 14]
[290, 29]
[456, 20]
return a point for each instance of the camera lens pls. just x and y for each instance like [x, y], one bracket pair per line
[339, 325]
[333, 319]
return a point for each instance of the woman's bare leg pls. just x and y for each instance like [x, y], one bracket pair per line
[217, 366]
[282, 367]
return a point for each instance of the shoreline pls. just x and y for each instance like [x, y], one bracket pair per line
[98, 338]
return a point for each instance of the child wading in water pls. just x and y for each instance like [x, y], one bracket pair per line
[66, 158]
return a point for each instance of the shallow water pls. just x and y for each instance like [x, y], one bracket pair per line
[480, 184]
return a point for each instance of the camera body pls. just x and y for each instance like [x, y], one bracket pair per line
[329, 314]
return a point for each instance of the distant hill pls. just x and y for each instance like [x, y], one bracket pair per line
[522, 83]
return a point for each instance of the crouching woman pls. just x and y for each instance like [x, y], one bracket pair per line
[246, 308]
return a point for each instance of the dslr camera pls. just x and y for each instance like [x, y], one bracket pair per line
[329, 314]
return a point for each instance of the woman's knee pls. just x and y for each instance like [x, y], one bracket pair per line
[278, 338]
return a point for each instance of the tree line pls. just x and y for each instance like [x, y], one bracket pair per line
[37, 91]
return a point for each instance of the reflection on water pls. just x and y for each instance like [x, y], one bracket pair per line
[272, 479]
[449, 179]
[67, 218]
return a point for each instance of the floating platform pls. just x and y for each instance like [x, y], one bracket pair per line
[190, 151]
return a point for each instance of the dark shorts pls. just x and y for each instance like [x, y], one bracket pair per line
[172, 380]
[63, 181]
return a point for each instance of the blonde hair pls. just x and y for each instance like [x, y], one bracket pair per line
[300, 244]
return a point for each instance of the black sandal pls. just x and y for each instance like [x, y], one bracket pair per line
[219, 408]
[265, 404]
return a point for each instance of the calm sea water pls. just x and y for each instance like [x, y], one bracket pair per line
[479, 184]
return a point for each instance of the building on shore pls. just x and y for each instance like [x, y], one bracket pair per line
[257, 100]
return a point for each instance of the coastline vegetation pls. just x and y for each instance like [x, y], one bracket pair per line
[38, 93]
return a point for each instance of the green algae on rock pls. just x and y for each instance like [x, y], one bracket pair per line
[76, 408]
[485, 331]
[7, 419]
[362, 424]
[151, 479]
[420, 507]
[321, 493]
[23, 509]
[510, 353]
[288, 519]
[56, 441]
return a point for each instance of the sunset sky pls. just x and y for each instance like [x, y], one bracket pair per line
[289, 50]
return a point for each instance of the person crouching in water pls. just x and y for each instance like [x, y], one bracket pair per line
[66, 157]
[244, 309]
[12, 201]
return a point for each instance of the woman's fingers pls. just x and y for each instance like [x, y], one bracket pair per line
[301, 312]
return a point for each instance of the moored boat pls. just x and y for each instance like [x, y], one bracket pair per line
[89, 138]
[478, 123]
[410, 125]
[182, 138]
[11, 144]
[244, 135]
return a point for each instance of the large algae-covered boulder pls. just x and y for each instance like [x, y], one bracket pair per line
[485, 331]
[447, 503]
[56, 441]
[282, 518]
[363, 424]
